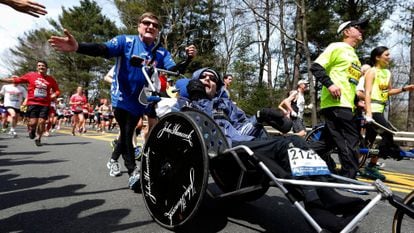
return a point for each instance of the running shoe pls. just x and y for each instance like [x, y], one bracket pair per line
[113, 144]
[372, 173]
[138, 151]
[12, 133]
[32, 133]
[114, 168]
[38, 143]
[380, 165]
[134, 182]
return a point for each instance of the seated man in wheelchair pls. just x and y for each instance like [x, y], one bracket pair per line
[204, 92]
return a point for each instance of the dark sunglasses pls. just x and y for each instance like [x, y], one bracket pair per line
[211, 77]
[148, 23]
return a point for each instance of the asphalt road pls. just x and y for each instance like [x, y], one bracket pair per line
[64, 186]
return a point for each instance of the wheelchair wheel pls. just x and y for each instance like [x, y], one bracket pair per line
[316, 135]
[226, 173]
[402, 222]
[174, 170]
[223, 168]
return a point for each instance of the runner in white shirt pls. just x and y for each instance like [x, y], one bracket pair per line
[13, 97]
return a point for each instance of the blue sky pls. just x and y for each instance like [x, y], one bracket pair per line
[13, 24]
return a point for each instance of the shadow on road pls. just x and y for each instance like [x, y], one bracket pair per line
[9, 183]
[27, 196]
[14, 162]
[277, 216]
[24, 153]
[69, 219]
[64, 143]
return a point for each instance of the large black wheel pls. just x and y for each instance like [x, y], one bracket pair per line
[174, 170]
[403, 223]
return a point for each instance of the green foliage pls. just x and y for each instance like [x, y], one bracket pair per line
[87, 24]
[324, 17]
[31, 48]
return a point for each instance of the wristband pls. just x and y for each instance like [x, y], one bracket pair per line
[403, 89]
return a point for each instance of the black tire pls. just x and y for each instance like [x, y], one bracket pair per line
[401, 222]
[174, 171]
[316, 134]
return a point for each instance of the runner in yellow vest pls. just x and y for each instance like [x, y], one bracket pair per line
[338, 69]
[378, 88]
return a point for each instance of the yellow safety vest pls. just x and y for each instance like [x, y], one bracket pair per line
[344, 68]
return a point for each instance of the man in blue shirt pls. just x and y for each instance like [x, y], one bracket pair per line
[131, 52]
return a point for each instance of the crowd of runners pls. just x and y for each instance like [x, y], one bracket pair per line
[78, 116]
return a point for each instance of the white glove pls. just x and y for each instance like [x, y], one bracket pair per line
[310, 106]
[293, 114]
[369, 119]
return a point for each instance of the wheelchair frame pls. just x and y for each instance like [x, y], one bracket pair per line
[184, 148]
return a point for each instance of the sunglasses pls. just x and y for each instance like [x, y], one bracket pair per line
[211, 77]
[148, 23]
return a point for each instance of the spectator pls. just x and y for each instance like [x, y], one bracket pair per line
[338, 69]
[42, 89]
[227, 79]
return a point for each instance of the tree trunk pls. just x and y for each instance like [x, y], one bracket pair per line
[410, 118]
[285, 53]
[308, 60]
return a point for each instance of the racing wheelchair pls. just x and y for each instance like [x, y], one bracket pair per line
[185, 148]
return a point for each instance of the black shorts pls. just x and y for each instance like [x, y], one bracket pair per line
[17, 110]
[298, 125]
[37, 111]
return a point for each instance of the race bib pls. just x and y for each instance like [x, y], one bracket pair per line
[40, 93]
[306, 163]
[14, 97]
[354, 72]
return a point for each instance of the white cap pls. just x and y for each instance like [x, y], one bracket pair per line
[302, 82]
[362, 24]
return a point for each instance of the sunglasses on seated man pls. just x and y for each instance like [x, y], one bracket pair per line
[210, 76]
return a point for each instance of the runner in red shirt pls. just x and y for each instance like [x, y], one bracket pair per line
[42, 88]
[77, 102]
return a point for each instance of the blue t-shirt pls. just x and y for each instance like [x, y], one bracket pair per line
[128, 81]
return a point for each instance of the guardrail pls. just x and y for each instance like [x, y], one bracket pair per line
[400, 136]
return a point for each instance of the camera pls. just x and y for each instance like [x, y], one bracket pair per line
[136, 61]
